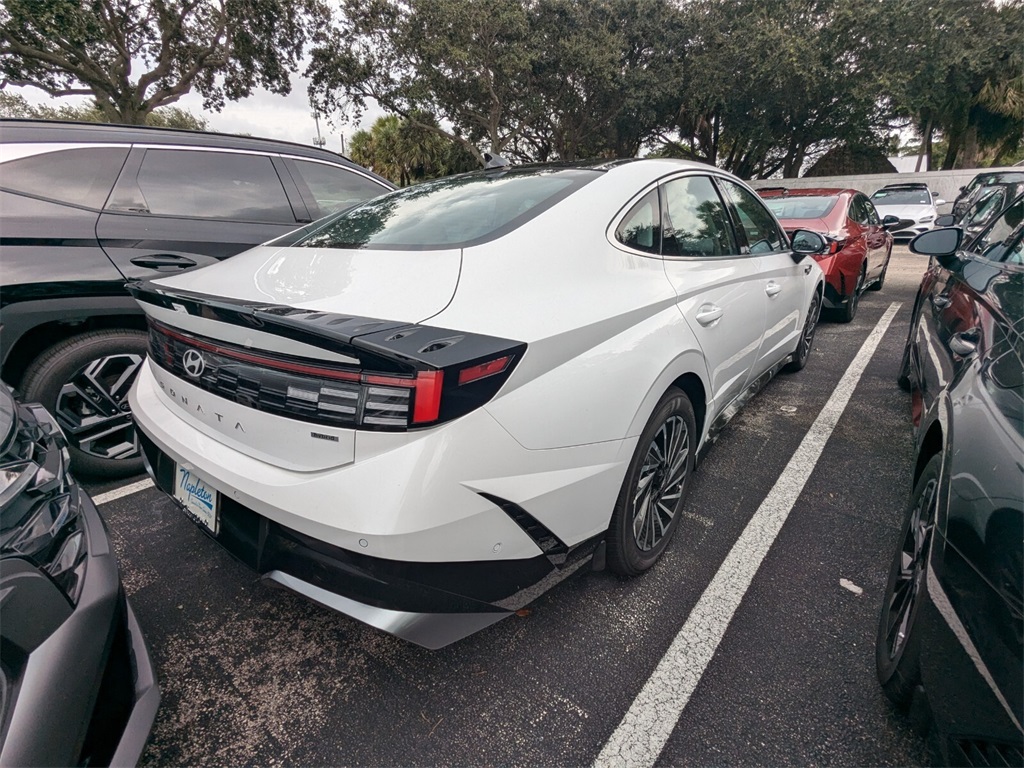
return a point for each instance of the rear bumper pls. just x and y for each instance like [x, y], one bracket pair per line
[431, 604]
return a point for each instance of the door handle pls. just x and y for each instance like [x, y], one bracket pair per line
[773, 288]
[163, 261]
[965, 342]
[940, 301]
[709, 314]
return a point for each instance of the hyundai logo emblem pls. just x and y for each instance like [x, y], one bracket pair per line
[193, 363]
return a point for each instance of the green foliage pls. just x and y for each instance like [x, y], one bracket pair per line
[15, 105]
[405, 152]
[756, 86]
[221, 48]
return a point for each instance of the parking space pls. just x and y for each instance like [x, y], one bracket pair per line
[254, 675]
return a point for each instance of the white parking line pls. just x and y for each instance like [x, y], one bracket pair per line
[120, 493]
[640, 737]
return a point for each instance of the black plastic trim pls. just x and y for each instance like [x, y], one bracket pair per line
[553, 547]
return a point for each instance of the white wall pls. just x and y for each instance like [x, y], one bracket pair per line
[945, 184]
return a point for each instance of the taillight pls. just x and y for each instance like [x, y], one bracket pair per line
[482, 371]
[835, 245]
[413, 395]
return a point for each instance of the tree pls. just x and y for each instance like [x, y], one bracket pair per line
[404, 152]
[955, 68]
[15, 105]
[532, 81]
[221, 48]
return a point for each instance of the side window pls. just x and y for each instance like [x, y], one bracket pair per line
[694, 219]
[77, 176]
[869, 208]
[641, 227]
[335, 188]
[1002, 241]
[213, 185]
[856, 212]
[763, 235]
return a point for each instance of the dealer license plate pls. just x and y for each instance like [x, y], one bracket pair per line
[201, 502]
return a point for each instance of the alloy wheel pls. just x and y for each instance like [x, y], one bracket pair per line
[660, 483]
[92, 407]
[913, 561]
[810, 326]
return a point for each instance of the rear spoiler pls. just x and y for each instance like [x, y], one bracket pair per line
[378, 344]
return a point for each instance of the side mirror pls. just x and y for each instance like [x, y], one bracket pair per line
[962, 188]
[945, 220]
[939, 202]
[938, 242]
[890, 221]
[807, 243]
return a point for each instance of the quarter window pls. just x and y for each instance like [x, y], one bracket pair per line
[213, 185]
[1003, 240]
[77, 176]
[694, 220]
[763, 236]
[641, 228]
[336, 189]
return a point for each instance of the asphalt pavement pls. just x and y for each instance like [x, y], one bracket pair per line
[254, 675]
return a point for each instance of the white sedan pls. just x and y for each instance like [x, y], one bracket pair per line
[427, 409]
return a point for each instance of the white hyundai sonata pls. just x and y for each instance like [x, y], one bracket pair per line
[427, 409]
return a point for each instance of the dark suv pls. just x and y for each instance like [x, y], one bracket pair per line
[85, 207]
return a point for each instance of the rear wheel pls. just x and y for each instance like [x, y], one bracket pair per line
[654, 490]
[84, 381]
[847, 313]
[897, 645]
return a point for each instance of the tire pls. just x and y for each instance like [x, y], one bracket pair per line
[877, 285]
[84, 381]
[897, 644]
[657, 480]
[803, 349]
[847, 313]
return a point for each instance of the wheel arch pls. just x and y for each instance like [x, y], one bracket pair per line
[688, 372]
[30, 331]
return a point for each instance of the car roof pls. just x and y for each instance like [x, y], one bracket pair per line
[905, 185]
[33, 131]
[809, 191]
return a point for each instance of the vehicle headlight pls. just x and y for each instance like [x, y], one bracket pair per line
[926, 219]
[39, 503]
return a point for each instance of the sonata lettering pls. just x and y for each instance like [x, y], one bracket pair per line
[197, 407]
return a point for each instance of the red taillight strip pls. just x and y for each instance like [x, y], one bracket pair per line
[268, 362]
[482, 371]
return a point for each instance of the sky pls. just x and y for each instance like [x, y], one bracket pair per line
[264, 114]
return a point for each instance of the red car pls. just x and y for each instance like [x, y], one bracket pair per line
[859, 242]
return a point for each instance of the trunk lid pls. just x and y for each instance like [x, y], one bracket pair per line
[405, 286]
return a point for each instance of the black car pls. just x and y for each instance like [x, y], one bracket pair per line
[970, 194]
[85, 207]
[952, 624]
[76, 683]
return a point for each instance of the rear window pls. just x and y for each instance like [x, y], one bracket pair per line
[449, 213]
[801, 207]
[901, 197]
[336, 189]
[77, 176]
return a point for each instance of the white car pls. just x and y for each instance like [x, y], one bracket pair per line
[425, 410]
[912, 203]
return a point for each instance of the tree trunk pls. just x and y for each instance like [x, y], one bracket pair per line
[926, 147]
[969, 158]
